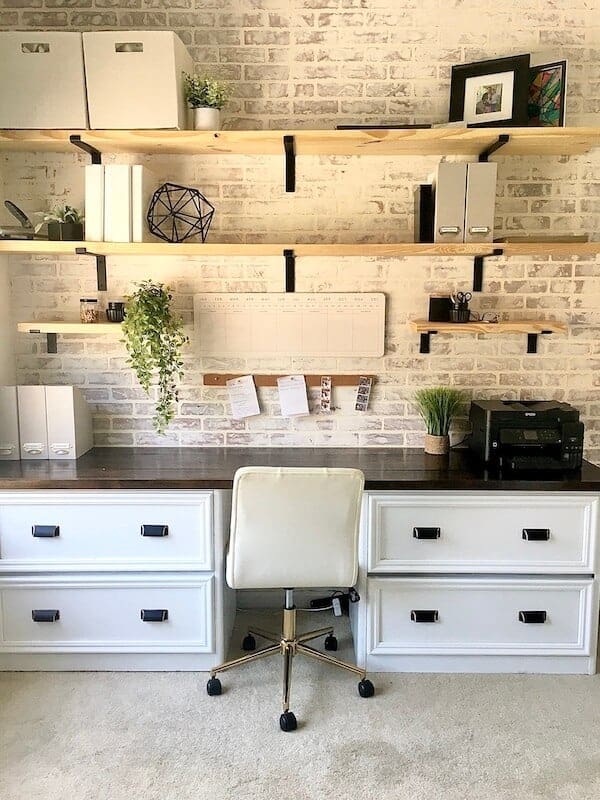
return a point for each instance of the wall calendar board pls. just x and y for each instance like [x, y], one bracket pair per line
[290, 324]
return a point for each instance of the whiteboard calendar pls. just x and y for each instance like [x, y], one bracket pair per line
[290, 324]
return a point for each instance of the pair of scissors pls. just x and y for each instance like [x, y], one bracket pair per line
[460, 298]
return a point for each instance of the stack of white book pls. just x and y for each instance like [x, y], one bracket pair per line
[116, 202]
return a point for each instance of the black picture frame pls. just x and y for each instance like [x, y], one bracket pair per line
[536, 116]
[518, 65]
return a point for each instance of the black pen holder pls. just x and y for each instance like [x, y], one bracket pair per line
[460, 313]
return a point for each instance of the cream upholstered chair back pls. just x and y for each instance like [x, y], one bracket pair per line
[294, 527]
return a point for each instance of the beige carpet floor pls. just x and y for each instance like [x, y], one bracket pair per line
[158, 736]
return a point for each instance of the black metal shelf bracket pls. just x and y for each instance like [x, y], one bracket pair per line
[100, 266]
[532, 341]
[96, 155]
[424, 345]
[478, 269]
[289, 146]
[290, 270]
[51, 343]
[502, 139]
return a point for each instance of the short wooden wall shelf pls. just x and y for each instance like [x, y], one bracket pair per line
[531, 327]
[51, 329]
[221, 378]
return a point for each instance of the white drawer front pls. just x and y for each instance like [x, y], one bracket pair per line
[481, 533]
[103, 530]
[480, 616]
[105, 616]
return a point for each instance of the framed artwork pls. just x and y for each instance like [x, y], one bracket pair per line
[491, 93]
[547, 92]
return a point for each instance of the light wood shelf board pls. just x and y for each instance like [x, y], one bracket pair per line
[512, 326]
[430, 141]
[550, 248]
[221, 378]
[90, 329]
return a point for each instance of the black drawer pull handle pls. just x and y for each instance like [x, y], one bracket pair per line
[45, 615]
[154, 614]
[532, 616]
[45, 531]
[536, 534]
[155, 530]
[427, 533]
[424, 615]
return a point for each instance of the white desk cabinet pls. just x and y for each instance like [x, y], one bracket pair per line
[113, 580]
[478, 582]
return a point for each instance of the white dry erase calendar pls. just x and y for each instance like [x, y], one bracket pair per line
[290, 324]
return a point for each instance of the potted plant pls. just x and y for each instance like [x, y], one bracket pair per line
[438, 406]
[65, 223]
[154, 338]
[206, 96]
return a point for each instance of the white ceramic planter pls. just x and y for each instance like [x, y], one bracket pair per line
[206, 119]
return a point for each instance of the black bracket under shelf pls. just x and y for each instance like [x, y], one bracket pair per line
[532, 341]
[289, 146]
[77, 141]
[51, 343]
[478, 269]
[424, 345]
[100, 266]
[502, 139]
[290, 270]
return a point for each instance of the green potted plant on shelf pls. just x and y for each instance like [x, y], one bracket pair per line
[438, 406]
[154, 339]
[65, 224]
[206, 96]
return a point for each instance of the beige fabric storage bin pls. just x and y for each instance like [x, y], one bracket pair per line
[42, 82]
[135, 79]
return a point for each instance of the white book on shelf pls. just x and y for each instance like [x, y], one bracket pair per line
[9, 424]
[94, 203]
[117, 203]
[143, 183]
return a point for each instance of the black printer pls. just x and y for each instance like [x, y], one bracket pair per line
[526, 434]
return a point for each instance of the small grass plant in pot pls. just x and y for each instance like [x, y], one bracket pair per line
[206, 96]
[154, 339]
[438, 406]
[65, 224]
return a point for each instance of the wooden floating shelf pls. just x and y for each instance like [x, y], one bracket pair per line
[399, 142]
[392, 250]
[513, 326]
[90, 329]
[220, 379]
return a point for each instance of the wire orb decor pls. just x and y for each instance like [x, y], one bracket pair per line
[177, 213]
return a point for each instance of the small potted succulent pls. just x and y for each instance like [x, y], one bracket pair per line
[154, 339]
[438, 406]
[65, 223]
[206, 96]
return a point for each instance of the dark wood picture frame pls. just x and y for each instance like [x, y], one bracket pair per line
[519, 65]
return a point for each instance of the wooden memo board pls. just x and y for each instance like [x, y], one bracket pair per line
[271, 324]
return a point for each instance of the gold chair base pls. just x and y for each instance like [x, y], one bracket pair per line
[289, 644]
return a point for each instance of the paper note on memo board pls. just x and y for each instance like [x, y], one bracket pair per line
[265, 324]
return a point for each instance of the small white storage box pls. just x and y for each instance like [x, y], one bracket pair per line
[42, 82]
[135, 79]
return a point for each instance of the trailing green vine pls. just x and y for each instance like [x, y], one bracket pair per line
[154, 338]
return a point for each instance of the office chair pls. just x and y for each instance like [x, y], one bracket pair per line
[293, 527]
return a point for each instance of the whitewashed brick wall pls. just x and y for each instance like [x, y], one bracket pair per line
[315, 64]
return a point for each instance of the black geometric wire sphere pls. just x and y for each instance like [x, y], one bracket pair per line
[177, 213]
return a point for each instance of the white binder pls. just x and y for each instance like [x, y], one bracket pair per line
[9, 424]
[480, 201]
[117, 203]
[31, 402]
[450, 183]
[143, 183]
[94, 203]
[69, 422]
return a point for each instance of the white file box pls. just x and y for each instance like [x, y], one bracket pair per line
[480, 201]
[31, 401]
[135, 79]
[69, 422]
[449, 213]
[9, 424]
[42, 82]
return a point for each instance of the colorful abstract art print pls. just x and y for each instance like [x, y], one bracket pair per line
[547, 90]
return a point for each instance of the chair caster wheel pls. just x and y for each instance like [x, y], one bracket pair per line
[249, 643]
[331, 642]
[213, 687]
[287, 721]
[366, 688]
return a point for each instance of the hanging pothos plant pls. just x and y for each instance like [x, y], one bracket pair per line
[154, 338]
